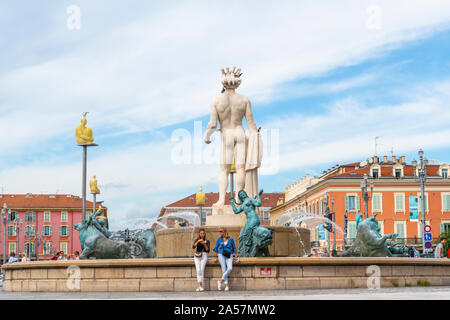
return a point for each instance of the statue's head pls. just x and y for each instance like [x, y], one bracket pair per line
[80, 226]
[231, 78]
[83, 121]
[242, 195]
[262, 236]
[372, 223]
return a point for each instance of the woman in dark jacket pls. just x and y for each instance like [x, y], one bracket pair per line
[201, 246]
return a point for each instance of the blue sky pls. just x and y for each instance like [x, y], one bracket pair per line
[324, 79]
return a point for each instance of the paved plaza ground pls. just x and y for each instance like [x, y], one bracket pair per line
[405, 293]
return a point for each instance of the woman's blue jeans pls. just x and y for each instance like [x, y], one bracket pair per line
[227, 266]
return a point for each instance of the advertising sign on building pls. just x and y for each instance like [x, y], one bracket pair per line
[413, 208]
[321, 232]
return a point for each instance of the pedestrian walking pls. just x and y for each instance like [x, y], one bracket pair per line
[201, 247]
[439, 251]
[225, 251]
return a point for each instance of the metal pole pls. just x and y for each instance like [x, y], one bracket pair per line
[327, 209]
[345, 228]
[95, 202]
[422, 195]
[83, 209]
[232, 184]
[334, 230]
[5, 219]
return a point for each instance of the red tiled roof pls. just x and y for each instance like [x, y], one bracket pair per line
[386, 171]
[42, 201]
[267, 199]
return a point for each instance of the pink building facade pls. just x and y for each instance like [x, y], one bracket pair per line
[46, 224]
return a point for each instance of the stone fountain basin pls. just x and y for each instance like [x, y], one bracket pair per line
[179, 274]
[177, 242]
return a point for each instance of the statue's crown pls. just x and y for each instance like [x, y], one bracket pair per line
[231, 78]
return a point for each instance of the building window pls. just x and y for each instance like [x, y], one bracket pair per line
[399, 202]
[400, 229]
[47, 216]
[203, 216]
[11, 231]
[12, 216]
[47, 230]
[444, 173]
[445, 227]
[63, 216]
[420, 202]
[12, 247]
[376, 202]
[29, 249]
[375, 173]
[445, 202]
[64, 231]
[266, 215]
[30, 216]
[47, 248]
[398, 173]
[351, 233]
[30, 230]
[352, 203]
[63, 247]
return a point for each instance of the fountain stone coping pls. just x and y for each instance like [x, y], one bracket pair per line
[263, 261]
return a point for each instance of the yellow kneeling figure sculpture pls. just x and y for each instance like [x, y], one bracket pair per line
[83, 133]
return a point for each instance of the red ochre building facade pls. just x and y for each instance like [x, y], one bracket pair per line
[268, 200]
[394, 183]
[50, 216]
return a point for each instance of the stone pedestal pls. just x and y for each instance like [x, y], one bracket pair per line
[223, 216]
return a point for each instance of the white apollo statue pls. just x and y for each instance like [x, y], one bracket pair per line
[229, 109]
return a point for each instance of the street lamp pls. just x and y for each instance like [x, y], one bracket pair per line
[334, 221]
[200, 201]
[29, 236]
[365, 193]
[4, 218]
[18, 223]
[422, 175]
[328, 226]
[38, 241]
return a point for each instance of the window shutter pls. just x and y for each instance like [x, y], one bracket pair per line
[34, 216]
[444, 202]
[346, 203]
[352, 231]
[357, 203]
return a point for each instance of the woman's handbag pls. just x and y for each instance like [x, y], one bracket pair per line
[198, 254]
[226, 254]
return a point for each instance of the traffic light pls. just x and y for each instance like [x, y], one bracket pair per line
[328, 226]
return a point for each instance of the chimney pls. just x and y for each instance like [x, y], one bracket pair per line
[375, 159]
[385, 159]
[394, 159]
[403, 160]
